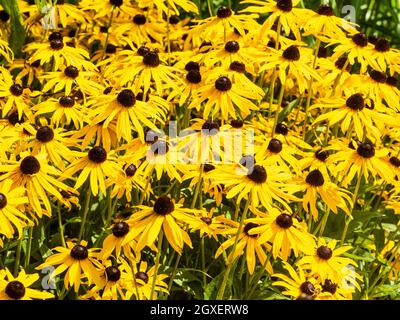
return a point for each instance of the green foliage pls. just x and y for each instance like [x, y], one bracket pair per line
[18, 32]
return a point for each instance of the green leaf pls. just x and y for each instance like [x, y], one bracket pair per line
[379, 235]
[390, 227]
[18, 32]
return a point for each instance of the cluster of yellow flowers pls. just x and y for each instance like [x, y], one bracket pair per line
[282, 129]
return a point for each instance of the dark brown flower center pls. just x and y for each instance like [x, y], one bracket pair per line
[395, 161]
[79, 252]
[378, 76]
[324, 252]
[237, 66]
[97, 154]
[71, 72]
[130, 170]
[340, 63]
[120, 229]
[15, 290]
[191, 65]
[282, 129]
[206, 220]
[142, 276]
[322, 52]
[13, 118]
[45, 134]
[29, 165]
[127, 98]
[285, 5]
[208, 167]
[373, 39]
[329, 286]
[163, 205]
[322, 155]
[315, 178]
[3, 200]
[159, 147]
[113, 274]
[151, 59]
[257, 174]
[116, 3]
[271, 43]
[210, 128]
[307, 288]
[392, 81]
[360, 39]
[4, 16]
[275, 146]
[174, 19]
[224, 12]
[382, 45]
[232, 46]
[142, 51]
[248, 227]
[223, 84]
[193, 76]
[366, 150]
[305, 297]
[325, 10]
[237, 124]
[110, 49]
[139, 19]
[16, 90]
[57, 44]
[291, 53]
[355, 102]
[67, 101]
[284, 221]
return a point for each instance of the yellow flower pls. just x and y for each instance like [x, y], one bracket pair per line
[285, 233]
[17, 288]
[165, 215]
[326, 262]
[98, 164]
[78, 261]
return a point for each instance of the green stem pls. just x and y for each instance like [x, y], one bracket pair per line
[257, 278]
[85, 213]
[153, 285]
[60, 225]
[172, 276]
[309, 93]
[354, 200]
[29, 248]
[146, 187]
[281, 93]
[209, 6]
[18, 257]
[168, 32]
[230, 259]
[108, 33]
[339, 76]
[203, 263]
[197, 190]
[272, 87]
[324, 221]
